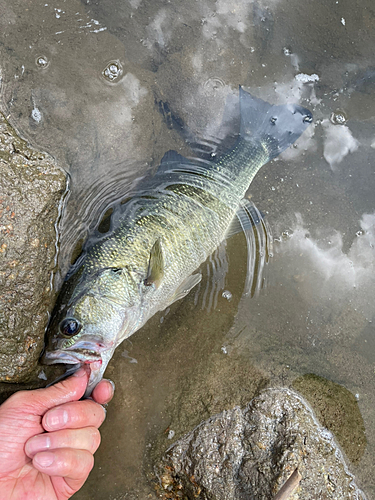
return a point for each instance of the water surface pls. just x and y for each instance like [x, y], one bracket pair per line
[105, 87]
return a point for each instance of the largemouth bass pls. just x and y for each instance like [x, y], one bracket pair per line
[160, 237]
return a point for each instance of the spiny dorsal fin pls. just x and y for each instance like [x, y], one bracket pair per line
[155, 271]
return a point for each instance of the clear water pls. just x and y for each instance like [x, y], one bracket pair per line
[87, 81]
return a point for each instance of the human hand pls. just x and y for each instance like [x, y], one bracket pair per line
[48, 437]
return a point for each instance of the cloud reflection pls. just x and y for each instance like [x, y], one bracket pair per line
[338, 143]
[325, 271]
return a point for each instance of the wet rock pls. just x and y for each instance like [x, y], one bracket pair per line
[249, 454]
[219, 382]
[337, 410]
[31, 193]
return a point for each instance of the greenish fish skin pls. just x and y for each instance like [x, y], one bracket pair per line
[165, 232]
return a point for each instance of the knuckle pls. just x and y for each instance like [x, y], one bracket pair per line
[103, 414]
[89, 462]
[80, 411]
[77, 463]
[85, 413]
[77, 412]
[64, 462]
[98, 413]
[22, 401]
[18, 397]
[95, 438]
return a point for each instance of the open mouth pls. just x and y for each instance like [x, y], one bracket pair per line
[94, 364]
[90, 352]
[81, 356]
[85, 351]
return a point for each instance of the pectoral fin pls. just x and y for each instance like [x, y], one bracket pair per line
[185, 287]
[155, 271]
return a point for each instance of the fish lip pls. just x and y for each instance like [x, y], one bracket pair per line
[70, 358]
[83, 352]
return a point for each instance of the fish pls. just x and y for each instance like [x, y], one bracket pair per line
[158, 239]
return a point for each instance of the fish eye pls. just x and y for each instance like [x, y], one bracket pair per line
[70, 327]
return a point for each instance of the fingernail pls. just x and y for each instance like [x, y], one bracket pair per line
[112, 384]
[57, 418]
[81, 372]
[37, 443]
[44, 459]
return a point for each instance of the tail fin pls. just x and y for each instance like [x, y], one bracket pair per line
[276, 126]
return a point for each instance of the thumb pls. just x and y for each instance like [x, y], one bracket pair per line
[38, 401]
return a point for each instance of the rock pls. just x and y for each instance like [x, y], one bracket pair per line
[31, 194]
[249, 454]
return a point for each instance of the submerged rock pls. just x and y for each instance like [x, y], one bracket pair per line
[31, 194]
[249, 454]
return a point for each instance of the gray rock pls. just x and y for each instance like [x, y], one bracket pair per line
[31, 194]
[249, 454]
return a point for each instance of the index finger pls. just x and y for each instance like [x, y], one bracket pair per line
[74, 415]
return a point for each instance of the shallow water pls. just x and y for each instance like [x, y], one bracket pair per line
[315, 314]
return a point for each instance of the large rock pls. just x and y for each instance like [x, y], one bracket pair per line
[249, 453]
[31, 194]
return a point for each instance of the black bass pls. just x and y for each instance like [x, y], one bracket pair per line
[161, 236]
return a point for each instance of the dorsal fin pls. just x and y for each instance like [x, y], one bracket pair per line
[155, 271]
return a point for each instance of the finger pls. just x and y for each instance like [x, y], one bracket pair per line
[103, 392]
[87, 438]
[40, 400]
[74, 415]
[73, 465]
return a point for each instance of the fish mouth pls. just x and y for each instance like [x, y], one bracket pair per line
[94, 363]
[77, 359]
[78, 356]
[85, 351]
[92, 353]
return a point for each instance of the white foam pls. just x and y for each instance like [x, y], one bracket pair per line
[305, 78]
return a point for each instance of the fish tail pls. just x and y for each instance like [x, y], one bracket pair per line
[276, 127]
